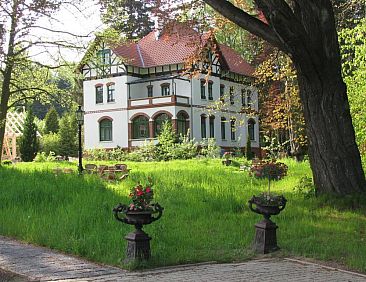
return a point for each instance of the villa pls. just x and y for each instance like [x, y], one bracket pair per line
[129, 90]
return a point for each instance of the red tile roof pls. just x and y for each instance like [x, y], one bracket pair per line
[174, 47]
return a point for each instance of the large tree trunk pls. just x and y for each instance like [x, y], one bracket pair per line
[334, 155]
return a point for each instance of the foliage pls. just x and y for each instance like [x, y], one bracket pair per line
[29, 145]
[23, 78]
[43, 157]
[167, 138]
[227, 155]
[68, 132]
[269, 169]
[353, 50]
[274, 147]
[265, 199]
[305, 187]
[50, 143]
[130, 17]
[281, 113]
[141, 198]
[51, 121]
[7, 162]
[209, 148]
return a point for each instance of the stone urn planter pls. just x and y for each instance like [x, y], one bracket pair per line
[139, 213]
[138, 246]
[267, 204]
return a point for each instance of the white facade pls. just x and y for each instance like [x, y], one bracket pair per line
[130, 100]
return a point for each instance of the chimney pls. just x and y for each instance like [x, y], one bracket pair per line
[157, 28]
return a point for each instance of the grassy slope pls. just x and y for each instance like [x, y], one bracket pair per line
[205, 216]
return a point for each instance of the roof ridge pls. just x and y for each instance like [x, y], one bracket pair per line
[140, 55]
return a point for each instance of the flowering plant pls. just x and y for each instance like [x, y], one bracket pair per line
[141, 198]
[271, 170]
[227, 155]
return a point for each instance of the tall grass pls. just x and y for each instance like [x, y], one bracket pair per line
[205, 218]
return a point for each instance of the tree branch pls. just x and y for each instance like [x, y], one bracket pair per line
[246, 21]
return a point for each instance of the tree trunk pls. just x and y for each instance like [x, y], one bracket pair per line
[334, 155]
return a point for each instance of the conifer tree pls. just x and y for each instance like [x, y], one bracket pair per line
[248, 149]
[131, 17]
[29, 144]
[67, 133]
[51, 121]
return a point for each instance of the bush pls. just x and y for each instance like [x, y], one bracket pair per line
[50, 143]
[7, 162]
[68, 132]
[305, 187]
[209, 149]
[51, 121]
[43, 157]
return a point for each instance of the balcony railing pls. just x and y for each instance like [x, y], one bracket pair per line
[173, 100]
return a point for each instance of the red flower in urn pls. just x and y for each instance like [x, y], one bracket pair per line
[141, 198]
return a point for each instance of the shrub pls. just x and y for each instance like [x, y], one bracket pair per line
[50, 143]
[248, 149]
[7, 162]
[305, 187]
[68, 131]
[210, 149]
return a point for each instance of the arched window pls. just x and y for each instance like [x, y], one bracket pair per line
[223, 128]
[212, 126]
[233, 129]
[140, 127]
[251, 125]
[203, 126]
[158, 123]
[182, 124]
[105, 130]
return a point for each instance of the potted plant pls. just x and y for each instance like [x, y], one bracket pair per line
[139, 213]
[267, 204]
[227, 158]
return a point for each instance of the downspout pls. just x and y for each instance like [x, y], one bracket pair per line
[191, 119]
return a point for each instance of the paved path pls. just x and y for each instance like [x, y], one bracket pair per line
[41, 264]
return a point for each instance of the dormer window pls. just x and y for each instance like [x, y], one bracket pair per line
[104, 56]
[165, 89]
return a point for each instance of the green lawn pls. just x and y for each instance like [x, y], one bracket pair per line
[205, 219]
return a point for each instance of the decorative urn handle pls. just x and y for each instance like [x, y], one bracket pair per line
[159, 209]
[121, 208]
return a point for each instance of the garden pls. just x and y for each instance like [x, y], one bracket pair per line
[206, 215]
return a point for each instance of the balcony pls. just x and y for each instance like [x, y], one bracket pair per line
[149, 102]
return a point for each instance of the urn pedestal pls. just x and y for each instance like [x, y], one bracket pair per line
[138, 241]
[265, 240]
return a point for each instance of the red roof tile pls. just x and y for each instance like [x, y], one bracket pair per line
[174, 47]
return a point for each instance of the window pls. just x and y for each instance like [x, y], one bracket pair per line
[105, 130]
[210, 96]
[203, 89]
[104, 56]
[110, 93]
[99, 94]
[232, 95]
[182, 124]
[203, 126]
[212, 126]
[158, 123]
[251, 124]
[223, 128]
[232, 127]
[249, 98]
[165, 89]
[140, 127]
[222, 93]
[243, 97]
[149, 91]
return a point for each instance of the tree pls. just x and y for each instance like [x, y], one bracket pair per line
[131, 17]
[29, 144]
[51, 121]
[67, 132]
[21, 77]
[248, 149]
[305, 30]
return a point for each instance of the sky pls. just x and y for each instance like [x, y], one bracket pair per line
[84, 21]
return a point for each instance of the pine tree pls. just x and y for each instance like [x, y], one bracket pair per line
[29, 144]
[67, 133]
[51, 121]
[131, 17]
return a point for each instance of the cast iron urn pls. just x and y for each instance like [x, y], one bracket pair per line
[138, 246]
[265, 235]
